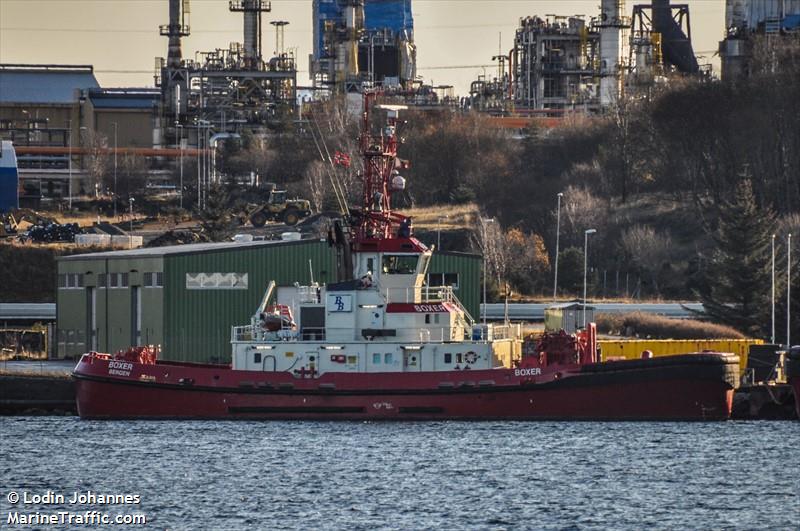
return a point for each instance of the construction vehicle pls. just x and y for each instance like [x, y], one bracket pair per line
[19, 220]
[278, 208]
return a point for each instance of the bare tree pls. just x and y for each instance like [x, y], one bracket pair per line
[646, 249]
[316, 181]
[492, 244]
[582, 210]
[96, 159]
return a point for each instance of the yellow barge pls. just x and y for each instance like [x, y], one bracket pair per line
[633, 348]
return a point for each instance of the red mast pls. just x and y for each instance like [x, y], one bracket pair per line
[377, 220]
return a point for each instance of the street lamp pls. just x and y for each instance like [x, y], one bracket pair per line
[773, 289]
[202, 162]
[180, 147]
[788, 290]
[484, 222]
[439, 232]
[114, 198]
[586, 234]
[558, 231]
[69, 164]
[198, 167]
[82, 131]
[130, 201]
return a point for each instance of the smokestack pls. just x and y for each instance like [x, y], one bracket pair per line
[252, 33]
[174, 32]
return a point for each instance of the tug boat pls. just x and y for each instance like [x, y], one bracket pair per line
[793, 375]
[378, 344]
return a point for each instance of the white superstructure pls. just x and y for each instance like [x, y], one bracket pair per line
[385, 320]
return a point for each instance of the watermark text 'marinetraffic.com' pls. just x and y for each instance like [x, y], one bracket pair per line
[88, 518]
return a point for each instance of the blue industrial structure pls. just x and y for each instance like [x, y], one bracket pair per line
[9, 177]
[357, 41]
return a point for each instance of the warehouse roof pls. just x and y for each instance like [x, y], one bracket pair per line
[44, 83]
[175, 250]
[194, 248]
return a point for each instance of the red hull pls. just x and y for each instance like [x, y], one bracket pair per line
[793, 375]
[689, 387]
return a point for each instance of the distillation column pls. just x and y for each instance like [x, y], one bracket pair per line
[612, 23]
[252, 10]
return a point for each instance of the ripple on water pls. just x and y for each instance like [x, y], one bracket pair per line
[448, 475]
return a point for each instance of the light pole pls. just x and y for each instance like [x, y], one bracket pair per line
[586, 234]
[198, 165]
[788, 290]
[114, 198]
[203, 162]
[130, 201]
[82, 142]
[439, 232]
[773, 289]
[69, 164]
[484, 222]
[180, 146]
[558, 231]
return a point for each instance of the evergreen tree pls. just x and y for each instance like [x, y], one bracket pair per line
[739, 275]
[216, 218]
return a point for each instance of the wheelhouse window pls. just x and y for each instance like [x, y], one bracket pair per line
[443, 279]
[396, 264]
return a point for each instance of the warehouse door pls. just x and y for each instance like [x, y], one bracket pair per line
[136, 315]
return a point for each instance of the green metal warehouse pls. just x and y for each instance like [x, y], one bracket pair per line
[186, 298]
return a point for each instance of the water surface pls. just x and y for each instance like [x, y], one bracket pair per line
[438, 475]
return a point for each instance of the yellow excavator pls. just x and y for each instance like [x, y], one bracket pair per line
[279, 208]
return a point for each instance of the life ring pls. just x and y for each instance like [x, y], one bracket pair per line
[470, 357]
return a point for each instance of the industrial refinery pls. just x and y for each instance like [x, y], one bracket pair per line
[387, 237]
[558, 64]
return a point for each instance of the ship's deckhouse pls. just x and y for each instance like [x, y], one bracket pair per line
[380, 316]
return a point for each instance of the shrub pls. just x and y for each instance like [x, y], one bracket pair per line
[659, 327]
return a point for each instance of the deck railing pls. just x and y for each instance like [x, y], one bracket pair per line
[250, 333]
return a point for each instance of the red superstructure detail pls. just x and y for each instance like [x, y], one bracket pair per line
[561, 348]
[146, 355]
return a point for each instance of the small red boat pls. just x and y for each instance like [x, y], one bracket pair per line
[380, 344]
[793, 375]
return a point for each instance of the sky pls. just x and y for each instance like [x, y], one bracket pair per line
[455, 39]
